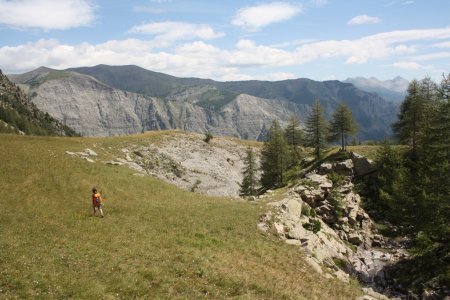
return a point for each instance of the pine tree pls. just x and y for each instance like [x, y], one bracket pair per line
[317, 129]
[434, 168]
[274, 158]
[342, 125]
[388, 180]
[294, 137]
[249, 182]
[408, 128]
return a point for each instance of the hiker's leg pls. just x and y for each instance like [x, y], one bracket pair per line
[94, 209]
[101, 210]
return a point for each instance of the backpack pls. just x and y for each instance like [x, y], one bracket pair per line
[97, 199]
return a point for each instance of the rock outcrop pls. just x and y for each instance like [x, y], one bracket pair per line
[21, 116]
[325, 219]
[213, 168]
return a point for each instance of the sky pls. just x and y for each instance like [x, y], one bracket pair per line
[231, 40]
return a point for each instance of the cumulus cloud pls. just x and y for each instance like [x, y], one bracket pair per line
[443, 45]
[46, 14]
[431, 56]
[408, 65]
[363, 19]
[201, 59]
[255, 17]
[165, 33]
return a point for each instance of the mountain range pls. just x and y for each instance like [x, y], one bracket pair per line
[392, 90]
[115, 100]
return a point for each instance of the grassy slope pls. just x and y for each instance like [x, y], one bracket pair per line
[156, 241]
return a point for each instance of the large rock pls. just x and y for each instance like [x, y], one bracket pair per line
[362, 165]
[321, 180]
[344, 168]
[293, 207]
[355, 239]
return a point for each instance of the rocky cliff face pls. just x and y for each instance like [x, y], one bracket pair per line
[95, 109]
[90, 107]
[19, 115]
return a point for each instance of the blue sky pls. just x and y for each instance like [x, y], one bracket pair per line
[231, 40]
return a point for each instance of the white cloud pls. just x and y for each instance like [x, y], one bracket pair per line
[410, 65]
[319, 3]
[431, 56]
[168, 32]
[442, 45]
[46, 14]
[363, 19]
[147, 9]
[330, 77]
[277, 76]
[255, 17]
[201, 59]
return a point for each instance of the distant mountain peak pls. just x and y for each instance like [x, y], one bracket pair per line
[393, 90]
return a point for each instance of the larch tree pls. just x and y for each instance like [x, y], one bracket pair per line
[342, 125]
[409, 127]
[274, 158]
[249, 185]
[317, 129]
[294, 137]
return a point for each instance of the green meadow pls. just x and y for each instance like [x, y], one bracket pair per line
[155, 242]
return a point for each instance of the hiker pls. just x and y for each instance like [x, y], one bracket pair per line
[97, 201]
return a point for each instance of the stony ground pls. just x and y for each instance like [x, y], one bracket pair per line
[187, 161]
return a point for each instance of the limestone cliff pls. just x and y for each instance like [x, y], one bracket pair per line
[106, 100]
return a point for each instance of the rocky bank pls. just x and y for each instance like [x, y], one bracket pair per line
[321, 214]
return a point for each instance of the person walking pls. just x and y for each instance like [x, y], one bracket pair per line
[97, 202]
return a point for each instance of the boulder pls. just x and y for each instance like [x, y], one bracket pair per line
[362, 165]
[114, 163]
[292, 207]
[311, 196]
[346, 188]
[355, 239]
[322, 180]
[344, 168]
[88, 159]
[90, 152]
[324, 209]
[263, 227]
[314, 264]
[298, 233]
[325, 168]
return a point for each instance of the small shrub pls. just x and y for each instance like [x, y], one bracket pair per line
[313, 225]
[306, 210]
[340, 263]
[196, 185]
[336, 201]
[308, 182]
[336, 178]
[208, 137]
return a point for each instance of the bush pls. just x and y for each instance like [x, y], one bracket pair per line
[336, 178]
[208, 137]
[306, 210]
[313, 225]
